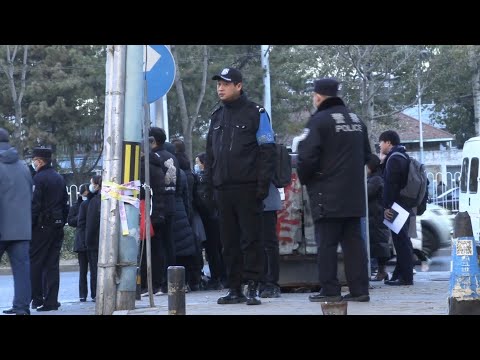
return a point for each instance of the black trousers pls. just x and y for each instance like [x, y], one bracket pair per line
[270, 241]
[240, 230]
[404, 249]
[163, 255]
[82, 279]
[329, 233]
[213, 247]
[45, 264]
[93, 262]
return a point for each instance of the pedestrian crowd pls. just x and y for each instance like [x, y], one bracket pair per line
[224, 210]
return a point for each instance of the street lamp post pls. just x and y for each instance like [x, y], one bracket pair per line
[419, 91]
[423, 55]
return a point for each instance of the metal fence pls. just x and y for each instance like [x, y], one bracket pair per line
[443, 189]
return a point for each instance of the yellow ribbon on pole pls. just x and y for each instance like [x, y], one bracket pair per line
[124, 193]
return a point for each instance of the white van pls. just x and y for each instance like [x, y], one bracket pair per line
[469, 189]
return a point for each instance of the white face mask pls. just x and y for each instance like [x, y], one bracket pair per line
[197, 168]
[92, 188]
[84, 198]
[33, 166]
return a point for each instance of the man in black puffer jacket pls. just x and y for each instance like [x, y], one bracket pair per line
[331, 163]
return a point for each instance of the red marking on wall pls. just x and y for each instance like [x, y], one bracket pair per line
[287, 216]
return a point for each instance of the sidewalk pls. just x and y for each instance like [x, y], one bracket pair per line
[427, 297]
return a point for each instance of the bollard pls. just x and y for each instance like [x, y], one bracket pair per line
[334, 308]
[176, 290]
[464, 275]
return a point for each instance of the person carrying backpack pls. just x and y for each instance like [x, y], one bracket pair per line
[395, 179]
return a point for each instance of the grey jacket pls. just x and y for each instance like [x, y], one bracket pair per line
[272, 202]
[15, 196]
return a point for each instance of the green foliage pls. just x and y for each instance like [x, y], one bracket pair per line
[64, 100]
[68, 241]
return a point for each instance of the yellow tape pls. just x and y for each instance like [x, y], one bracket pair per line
[125, 193]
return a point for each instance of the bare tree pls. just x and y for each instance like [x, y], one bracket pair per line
[473, 57]
[188, 121]
[7, 65]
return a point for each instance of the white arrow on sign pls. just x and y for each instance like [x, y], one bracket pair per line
[150, 56]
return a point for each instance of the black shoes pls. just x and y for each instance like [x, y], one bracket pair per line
[270, 292]
[36, 304]
[398, 282]
[360, 298]
[13, 311]
[83, 299]
[234, 296]
[325, 298]
[49, 307]
[252, 293]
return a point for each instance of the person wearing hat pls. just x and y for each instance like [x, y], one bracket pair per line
[49, 215]
[16, 222]
[331, 163]
[240, 164]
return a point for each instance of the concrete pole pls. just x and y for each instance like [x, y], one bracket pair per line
[112, 167]
[267, 101]
[128, 244]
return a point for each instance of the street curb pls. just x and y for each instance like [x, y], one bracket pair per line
[63, 268]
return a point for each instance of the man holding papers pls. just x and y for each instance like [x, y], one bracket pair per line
[395, 178]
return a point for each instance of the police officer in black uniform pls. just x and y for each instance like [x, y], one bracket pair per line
[49, 214]
[240, 165]
[331, 163]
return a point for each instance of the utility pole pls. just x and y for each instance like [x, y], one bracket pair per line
[267, 101]
[132, 135]
[112, 165]
[420, 124]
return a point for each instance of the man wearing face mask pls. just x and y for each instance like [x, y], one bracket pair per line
[79, 245]
[49, 215]
[92, 229]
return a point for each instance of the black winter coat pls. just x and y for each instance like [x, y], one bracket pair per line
[73, 217]
[331, 161]
[379, 233]
[395, 176]
[234, 156]
[92, 226]
[182, 231]
[157, 183]
[50, 197]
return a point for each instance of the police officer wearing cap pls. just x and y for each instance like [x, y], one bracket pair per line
[240, 165]
[331, 163]
[49, 214]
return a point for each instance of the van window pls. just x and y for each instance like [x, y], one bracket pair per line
[473, 184]
[464, 176]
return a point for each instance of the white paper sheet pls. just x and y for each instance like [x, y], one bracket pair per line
[399, 221]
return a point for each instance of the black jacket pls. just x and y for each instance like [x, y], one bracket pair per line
[395, 176]
[157, 183]
[234, 156]
[171, 170]
[378, 232]
[331, 159]
[92, 226]
[73, 217]
[50, 197]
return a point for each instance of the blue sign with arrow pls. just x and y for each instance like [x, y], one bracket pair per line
[160, 71]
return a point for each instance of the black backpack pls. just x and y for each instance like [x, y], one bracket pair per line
[283, 167]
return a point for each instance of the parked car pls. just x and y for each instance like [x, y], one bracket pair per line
[449, 199]
[434, 229]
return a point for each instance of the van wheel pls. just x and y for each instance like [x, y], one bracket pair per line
[430, 243]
